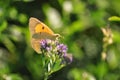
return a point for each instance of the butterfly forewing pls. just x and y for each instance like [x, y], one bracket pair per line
[37, 26]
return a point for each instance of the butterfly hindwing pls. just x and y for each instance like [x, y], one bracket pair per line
[44, 35]
[37, 26]
[36, 45]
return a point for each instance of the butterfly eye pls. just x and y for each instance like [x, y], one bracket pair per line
[43, 27]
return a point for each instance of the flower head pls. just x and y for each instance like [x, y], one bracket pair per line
[68, 58]
[46, 45]
[43, 44]
[56, 51]
[61, 48]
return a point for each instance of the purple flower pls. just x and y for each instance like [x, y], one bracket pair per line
[45, 45]
[68, 58]
[61, 48]
[49, 46]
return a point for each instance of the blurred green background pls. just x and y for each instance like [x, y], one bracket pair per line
[78, 21]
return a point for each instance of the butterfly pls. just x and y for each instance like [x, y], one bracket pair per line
[39, 31]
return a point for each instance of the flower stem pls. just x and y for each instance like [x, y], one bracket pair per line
[46, 76]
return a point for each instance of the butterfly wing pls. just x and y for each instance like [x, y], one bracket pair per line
[37, 26]
[36, 45]
[39, 31]
[44, 35]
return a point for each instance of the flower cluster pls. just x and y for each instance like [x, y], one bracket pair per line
[54, 56]
[54, 48]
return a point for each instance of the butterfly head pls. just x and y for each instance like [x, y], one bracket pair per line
[57, 36]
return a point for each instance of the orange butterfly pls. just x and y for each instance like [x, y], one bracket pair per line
[39, 31]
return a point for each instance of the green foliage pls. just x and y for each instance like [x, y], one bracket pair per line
[114, 18]
[95, 45]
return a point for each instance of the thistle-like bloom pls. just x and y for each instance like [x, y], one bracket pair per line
[68, 58]
[61, 48]
[54, 56]
[55, 47]
[45, 45]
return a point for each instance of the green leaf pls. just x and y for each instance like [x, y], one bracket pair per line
[22, 18]
[3, 26]
[15, 77]
[57, 66]
[114, 18]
